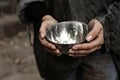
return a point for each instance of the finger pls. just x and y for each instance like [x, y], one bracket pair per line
[94, 32]
[44, 26]
[82, 53]
[75, 56]
[86, 52]
[45, 43]
[50, 47]
[86, 46]
[55, 52]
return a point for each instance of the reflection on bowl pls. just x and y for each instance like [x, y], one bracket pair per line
[66, 34]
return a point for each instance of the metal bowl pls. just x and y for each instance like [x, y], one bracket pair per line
[66, 34]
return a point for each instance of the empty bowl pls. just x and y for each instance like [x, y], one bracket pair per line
[66, 34]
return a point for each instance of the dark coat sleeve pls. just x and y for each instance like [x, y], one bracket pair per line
[35, 11]
[31, 10]
[111, 25]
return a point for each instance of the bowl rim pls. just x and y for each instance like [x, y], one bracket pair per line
[78, 22]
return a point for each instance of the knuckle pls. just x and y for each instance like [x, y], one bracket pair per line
[86, 46]
[99, 47]
[89, 47]
[94, 34]
[87, 52]
[40, 31]
[102, 42]
[47, 44]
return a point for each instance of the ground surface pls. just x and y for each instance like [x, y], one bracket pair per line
[17, 59]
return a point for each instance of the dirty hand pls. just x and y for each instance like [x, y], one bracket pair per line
[47, 21]
[95, 39]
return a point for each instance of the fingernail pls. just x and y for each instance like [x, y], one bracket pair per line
[74, 48]
[57, 51]
[71, 54]
[89, 38]
[71, 51]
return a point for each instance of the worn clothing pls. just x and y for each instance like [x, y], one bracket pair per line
[96, 67]
[106, 11]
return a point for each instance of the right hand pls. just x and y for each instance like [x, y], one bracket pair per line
[47, 21]
[95, 39]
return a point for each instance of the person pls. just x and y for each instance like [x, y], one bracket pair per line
[98, 59]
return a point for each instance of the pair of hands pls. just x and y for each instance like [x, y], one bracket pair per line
[95, 38]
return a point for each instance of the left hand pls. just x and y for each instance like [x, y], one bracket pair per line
[47, 21]
[95, 39]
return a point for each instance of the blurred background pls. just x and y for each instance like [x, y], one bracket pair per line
[17, 60]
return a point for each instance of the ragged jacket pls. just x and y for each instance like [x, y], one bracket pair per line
[106, 11]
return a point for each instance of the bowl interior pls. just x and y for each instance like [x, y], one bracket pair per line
[69, 32]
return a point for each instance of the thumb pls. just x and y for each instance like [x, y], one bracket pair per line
[43, 29]
[96, 28]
